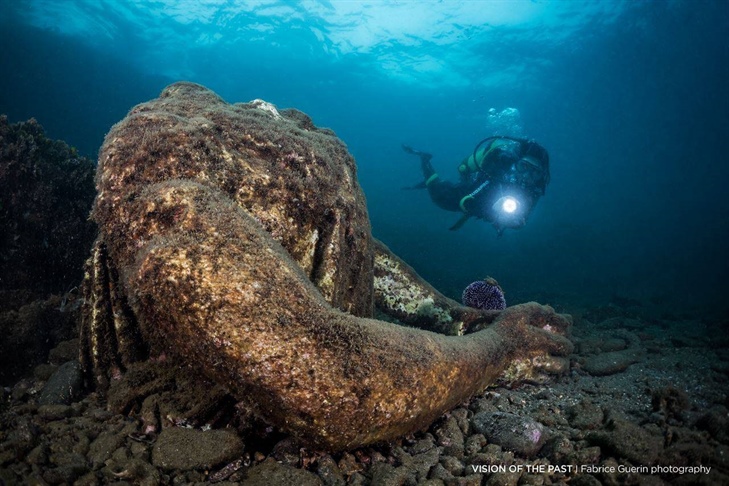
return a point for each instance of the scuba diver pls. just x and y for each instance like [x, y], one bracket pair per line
[500, 182]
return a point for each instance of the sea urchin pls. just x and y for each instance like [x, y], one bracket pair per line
[485, 294]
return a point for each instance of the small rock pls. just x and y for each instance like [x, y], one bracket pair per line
[461, 415]
[328, 471]
[134, 471]
[452, 465]
[384, 474]
[622, 322]
[230, 473]
[83, 441]
[21, 390]
[63, 386]
[65, 458]
[610, 363]
[63, 474]
[21, 439]
[671, 401]
[423, 462]
[286, 452]
[44, 371]
[357, 479]
[531, 480]
[270, 472]
[431, 482]
[140, 450]
[192, 477]
[450, 436]
[585, 480]
[70, 467]
[423, 445]
[121, 455]
[483, 404]
[54, 412]
[471, 480]
[588, 455]
[628, 441]
[597, 345]
[88, 479]
[99, 414]
[180, 448]
[716, 422]
[63, 352]
[547, 416]
[519, 434]
[474, 444]
[585, 415]
[503, 479]
[79, 407]
[39, 455]
[441, 473]
[490, 455]
[349, 465]
[557, 449]
[103, 446]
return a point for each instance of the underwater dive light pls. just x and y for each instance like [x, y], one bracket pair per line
[507, 204]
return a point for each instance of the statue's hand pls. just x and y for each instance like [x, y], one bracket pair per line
[537, 339]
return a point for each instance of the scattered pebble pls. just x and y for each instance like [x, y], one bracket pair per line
[610, 363]
[522, 435]
[182, 448]
[63, 386]
[270, 472]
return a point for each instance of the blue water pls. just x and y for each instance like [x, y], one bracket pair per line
[629, 98]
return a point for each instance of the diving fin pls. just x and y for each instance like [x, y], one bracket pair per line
[424, 156]
[460, 222]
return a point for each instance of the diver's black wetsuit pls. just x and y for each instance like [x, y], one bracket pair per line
[445, 194]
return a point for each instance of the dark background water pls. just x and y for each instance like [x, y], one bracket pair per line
[631, 103]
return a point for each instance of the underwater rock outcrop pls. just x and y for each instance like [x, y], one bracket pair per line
[45, 233]
[46, 192]
[235, 238]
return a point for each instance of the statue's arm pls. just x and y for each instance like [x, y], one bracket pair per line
[211, 286]
[401, 294]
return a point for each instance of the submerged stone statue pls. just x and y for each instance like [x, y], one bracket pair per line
[235, 238]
